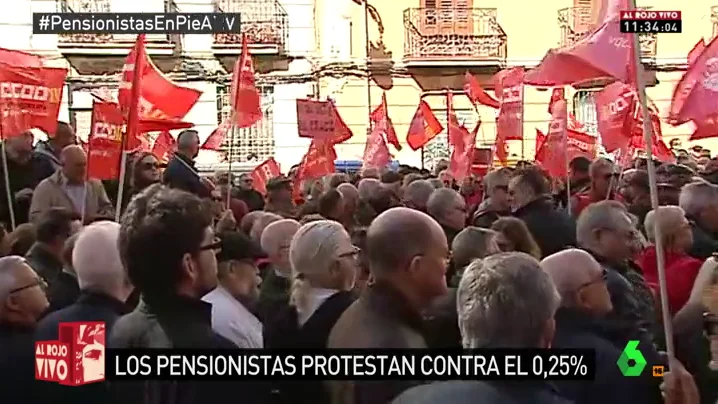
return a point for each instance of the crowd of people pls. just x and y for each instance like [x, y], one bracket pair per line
[405, 259]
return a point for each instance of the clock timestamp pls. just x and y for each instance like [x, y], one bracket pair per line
[653, 26]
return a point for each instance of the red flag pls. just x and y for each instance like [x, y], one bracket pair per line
[380, 116]
[423, 127]
[263, 173]
[615, 106]
[130, 98]
[557, 94]
[694, 97]
[511, 112]
[659, 149]
[696, 51]
[464, 143]
[555, 153]
[161, 125]
[342, 133]
[164, 146]
[318, 161]
[705, 130]
[215, 139]
[476, 93]
[603, 53]
[540, 140]
[245, 99]
[159, 97]
[105, 141]
[19, 58]
[376, 152]
[30, 97]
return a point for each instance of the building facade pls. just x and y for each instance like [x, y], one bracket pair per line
[416, 49]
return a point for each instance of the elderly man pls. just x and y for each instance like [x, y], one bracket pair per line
[234, 298]
[261, 223]
[581, 283]
[279, 197]
[367, 188]
[605, 230]
[70, 188]
[181, 172]
[496, 204]
[530, 201]
[417, 194]
[407, 253]
[24, 172]
[48, 152]
[104, 289]
[604, 182]
[700, 202]
[22, 302]
[350, 196]
[247, 193]
[54, 227]
[275, 241]
[504, 301]
[448, 208]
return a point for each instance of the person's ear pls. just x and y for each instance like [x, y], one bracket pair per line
[549, 331]
[189, 267]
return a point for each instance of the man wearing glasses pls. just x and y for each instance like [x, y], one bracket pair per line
[22, 303]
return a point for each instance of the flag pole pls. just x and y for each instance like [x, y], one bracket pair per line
[8, 191]
[648, 139]
[232, 133]
[367, 48]
[121, 182]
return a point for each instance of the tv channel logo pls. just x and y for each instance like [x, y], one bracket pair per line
[76, 358]
[631, 362]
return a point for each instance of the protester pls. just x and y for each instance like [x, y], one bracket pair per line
[279, 197]
[250, 196]
[144, 171]
[513, 235]
[65, 289]
[23, 303]
[22, 239]
[260, 224]
[635, 191]
[23, 173]
[363, 278]
[700, 202]
[331, 205]
[181, 172]
[350, 196]
[605, 230]
[681, 269]
[417, 194]
[70, 188]
[247, 222]
[104, 289]
[367, 188]
[235, 297]
[324, 266]
[605, 177]
[579, 175]
[448, 208]
[54, 227]
[504, 301]
[275, 241]
[48, 152]
[530, 201]
[384, 199]
[581, 282]
[496, 204]
[407, 253]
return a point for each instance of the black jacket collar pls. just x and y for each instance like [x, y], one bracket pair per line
[98, 299]
[540, 204]
[189, 309]
[386, 298]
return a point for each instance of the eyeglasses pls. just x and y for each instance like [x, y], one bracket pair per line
[217, 198]
[38, 282]
[603, 278]
[214, 245]
[150, 166]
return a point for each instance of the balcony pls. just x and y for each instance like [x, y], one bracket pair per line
[454, 40]
[714, 20]
[575, 23]
[105, 53]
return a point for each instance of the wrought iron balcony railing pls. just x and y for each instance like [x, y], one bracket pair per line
[453, 34]
[576, 22]
[264, 21]
[102, 6]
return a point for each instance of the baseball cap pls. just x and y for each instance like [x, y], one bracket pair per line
[238, 246]
[278, 183]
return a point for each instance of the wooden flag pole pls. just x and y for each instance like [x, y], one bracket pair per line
[648, 139]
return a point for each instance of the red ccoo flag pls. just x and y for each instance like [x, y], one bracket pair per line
[245, 99]
[477, 94]
[423, 128]
[380, 116]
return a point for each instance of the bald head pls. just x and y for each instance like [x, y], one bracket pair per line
[350, 193]
[569, 269]
[398, 235]
[261, 223]
[10, 267]
[368, 187]
[417, 193]
[97, 262]
[248, 221]
[74, 163]
[71, 152]
[278, 235]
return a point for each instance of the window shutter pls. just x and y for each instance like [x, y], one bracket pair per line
[583, 15]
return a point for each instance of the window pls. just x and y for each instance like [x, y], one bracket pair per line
[81, 121]
[254, 143]
[584, 108]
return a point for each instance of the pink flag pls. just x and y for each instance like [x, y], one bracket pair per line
[615, 108]
[510, 88]
[694, 97]
[696, 51]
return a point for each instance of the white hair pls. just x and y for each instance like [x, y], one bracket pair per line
[504, 301]
[278, 233]
[569, 269]
[96, 258]
[419, 192]
[261, 223]
[441, 201]
[697, 196]
[8, 278]
[495, 179]
[368, 187]
[312, 252]
[597, 216]
[668, 218]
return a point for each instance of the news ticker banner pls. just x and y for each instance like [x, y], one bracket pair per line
[338, 364]
[651, 22]
[135, 23]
